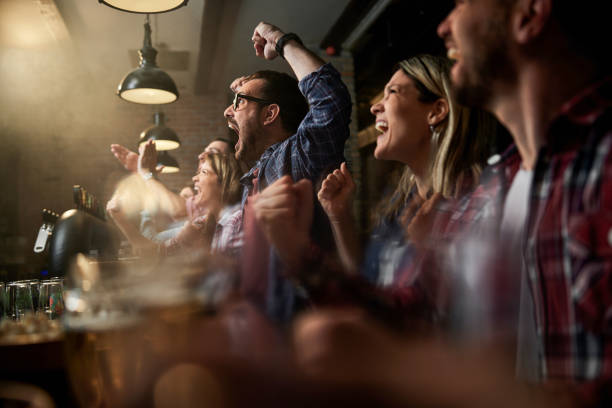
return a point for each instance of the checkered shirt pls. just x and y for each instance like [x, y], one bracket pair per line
[568, 238]
[318, 144]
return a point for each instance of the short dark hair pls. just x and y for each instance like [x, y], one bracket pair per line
[586, 26]
[228, 142]
[283, 90]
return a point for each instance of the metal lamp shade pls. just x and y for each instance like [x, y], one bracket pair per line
[164, 137]
[148, 84]
[145, 6]
[170, 164]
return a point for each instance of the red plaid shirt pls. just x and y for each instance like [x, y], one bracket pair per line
[568, 248]
[568, 237]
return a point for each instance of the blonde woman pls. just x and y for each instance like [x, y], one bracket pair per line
[217, 193]
[443, 147]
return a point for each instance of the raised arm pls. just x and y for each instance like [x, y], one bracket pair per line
[301, 60]
[335, 197]
[138, 241]
[194, 235]
[172, 203]
[126, 157]
[319, 141]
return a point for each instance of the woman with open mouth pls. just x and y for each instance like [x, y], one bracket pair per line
[443, 147]
[217, 191]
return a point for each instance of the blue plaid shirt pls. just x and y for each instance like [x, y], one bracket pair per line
[318, 143]
[317, 146]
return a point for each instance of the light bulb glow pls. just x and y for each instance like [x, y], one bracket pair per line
[148, 96]
[145, 6]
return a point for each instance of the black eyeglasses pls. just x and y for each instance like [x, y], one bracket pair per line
[239, 96]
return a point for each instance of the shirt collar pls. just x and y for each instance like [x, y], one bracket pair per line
[569, 129]
[585, 107]
[582, 110]
[247, 179]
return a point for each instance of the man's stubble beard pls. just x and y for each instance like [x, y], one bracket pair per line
[248, 151]
[489, 63]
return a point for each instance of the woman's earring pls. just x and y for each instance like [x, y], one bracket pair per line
[431, 128]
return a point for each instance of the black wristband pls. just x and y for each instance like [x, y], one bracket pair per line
[280, 44]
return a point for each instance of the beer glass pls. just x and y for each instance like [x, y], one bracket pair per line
[20, 300]
[34, 284]
[2, 302]
[51, 298]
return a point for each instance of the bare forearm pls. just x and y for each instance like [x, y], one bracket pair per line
[131, 232]
[301, 60]
[169, 201]
[347, 243]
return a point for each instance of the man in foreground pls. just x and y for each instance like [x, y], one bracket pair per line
[536, 66]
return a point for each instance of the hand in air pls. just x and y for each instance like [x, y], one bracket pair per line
[264, 40]
[284, 211]
[147, 158]
[237, 84]
[126, 157]
[336, 193]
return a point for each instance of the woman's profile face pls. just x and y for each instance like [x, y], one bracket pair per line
[402, 122]
[205, 184]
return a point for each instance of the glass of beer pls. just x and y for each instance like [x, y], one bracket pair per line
[34, 284]
[2, 302]
[51, 299]
[20, 300]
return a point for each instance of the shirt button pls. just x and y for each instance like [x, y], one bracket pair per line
[494, 159]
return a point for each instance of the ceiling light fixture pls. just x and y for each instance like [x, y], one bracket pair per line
[145, 6]
[148, 84]
[164, 137]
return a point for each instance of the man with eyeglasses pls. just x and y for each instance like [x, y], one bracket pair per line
[284, 127]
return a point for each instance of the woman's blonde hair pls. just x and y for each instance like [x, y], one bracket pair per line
[228, 172]
[460, 142]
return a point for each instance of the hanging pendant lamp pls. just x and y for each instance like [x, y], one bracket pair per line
[170, 164]
[148, 84]
[164, 137]
[145, 6]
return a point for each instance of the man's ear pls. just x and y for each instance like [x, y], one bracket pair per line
[270, 113]
[438, 112]
[529, 18]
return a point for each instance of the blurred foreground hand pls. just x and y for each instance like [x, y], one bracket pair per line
[343, 347]
[284, 211]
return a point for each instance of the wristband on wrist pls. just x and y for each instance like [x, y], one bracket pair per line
[280, 44]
